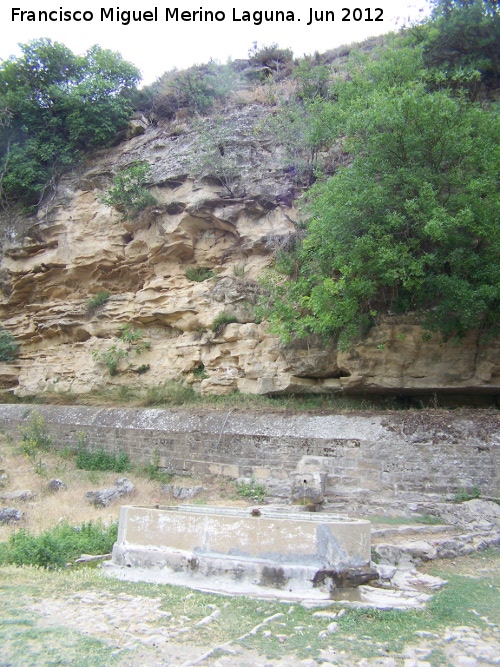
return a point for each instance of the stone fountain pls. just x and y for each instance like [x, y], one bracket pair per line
[263, 551]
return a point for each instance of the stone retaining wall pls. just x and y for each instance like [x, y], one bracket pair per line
[385, 454]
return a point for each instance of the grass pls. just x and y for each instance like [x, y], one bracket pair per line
[362, 633]
[100, 459]
[55, 547]
[169, 393]
[463, 495]
[28, 646]
[66, 506]
[221, 321]
[199, 273]
[177, 393]
[251, 490]
[173, 393]
[95, 302]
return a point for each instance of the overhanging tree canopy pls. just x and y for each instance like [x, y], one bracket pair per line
[412, 224]
[53, 106]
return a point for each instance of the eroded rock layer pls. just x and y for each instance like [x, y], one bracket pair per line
[77, 247]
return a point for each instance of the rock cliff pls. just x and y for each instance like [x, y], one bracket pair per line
[76, 247]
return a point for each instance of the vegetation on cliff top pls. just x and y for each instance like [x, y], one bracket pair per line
[54, 106]
[410, 223]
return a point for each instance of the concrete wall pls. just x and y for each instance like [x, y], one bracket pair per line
[386, 454]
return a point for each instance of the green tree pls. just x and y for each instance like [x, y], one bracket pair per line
[410, 225]
[463, 37]
[312, 79]
[304, 129]
[198, 88]
[54, 105]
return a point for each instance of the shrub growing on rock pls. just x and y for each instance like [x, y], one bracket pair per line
[221, 320]
[199, 273]
[128, 192]
[8, 346]
[96, 301]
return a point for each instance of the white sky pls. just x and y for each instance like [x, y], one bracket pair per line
[155, 47]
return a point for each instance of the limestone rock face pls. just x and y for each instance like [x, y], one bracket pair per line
[76, 247]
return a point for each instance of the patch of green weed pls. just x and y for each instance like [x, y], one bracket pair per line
[155, 472]
[54, 548]
[35, 436]
[8, 346]
[200, 373]
[463, 495]
[221, 320]
[251, 490]
[199, 273]
[100, 459]
[96, 301]
[169, 393]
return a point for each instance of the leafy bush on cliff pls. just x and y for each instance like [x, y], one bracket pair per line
[272, 57]
[462, 38]
[128, 339]
[216, 153]
[412, 223]
[96, 301]
[219, 323]
[128, 192]
[54, 106]
[199, 273]
[8, 346]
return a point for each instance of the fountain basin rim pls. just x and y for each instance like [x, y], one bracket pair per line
[256, 512]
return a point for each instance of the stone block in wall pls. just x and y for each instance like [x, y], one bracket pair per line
[368, 473]
[308, 486]
[261, 473]
[278, 488]
[225, 470]
[348, 463]
[370, 484]
[351, 482]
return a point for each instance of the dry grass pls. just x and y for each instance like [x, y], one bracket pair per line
[49, 508]
[70, 505]
[267, 94]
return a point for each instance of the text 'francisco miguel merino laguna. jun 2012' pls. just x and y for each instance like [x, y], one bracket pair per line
[174, 14]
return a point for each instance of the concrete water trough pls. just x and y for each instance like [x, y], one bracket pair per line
[265, 551]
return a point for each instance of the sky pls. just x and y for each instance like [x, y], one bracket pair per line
[156, 46]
